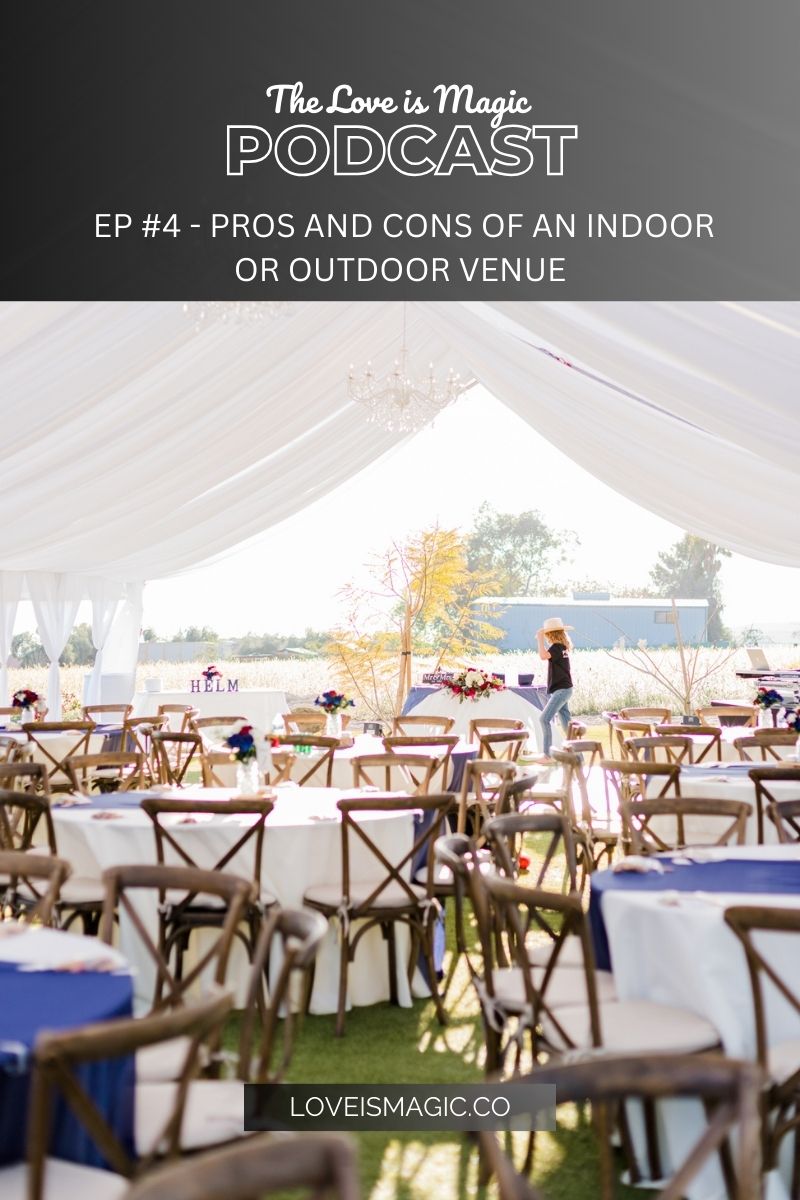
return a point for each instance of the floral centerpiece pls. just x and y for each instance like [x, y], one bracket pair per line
[768, 698]
[793, 720]
[211, 673]
[472, 684]
[242, 743]
[332, 703]
[27, 702]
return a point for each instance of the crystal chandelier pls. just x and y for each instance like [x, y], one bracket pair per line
[397, 401]
[234, 312]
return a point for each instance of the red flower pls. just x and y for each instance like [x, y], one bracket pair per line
[524, 862]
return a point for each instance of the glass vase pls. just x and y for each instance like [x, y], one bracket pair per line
[333, 725]
[765, 718]
[248, 776]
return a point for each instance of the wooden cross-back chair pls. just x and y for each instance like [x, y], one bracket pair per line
[671, 748]
[653, 714]
[98, 713]
[414, 726]
[174, 754]
[770, 962]
[306, 722]
[23, 814]
[764, 778]
[742, 714]
[455, 855]
[111, 771]
[79, 733]
[621, 731]
[442, 743]
[201, 724]
[315, 769]
[640, 836]
[390, 772]
[325, 1164]
[577, 1008]
[710, 734]
[762, 745]
[627, 779]
[403, 890]
[503, 745]
[174, 887]
[59, 1076]
[137, 736]
[11, 749]
[25, 777]
[286, 950]
[506, 835]
[728, 1090]
[785, 816]
[183, 713]
[494, 725]
[596, 836]
[243, 856]
[483, 787]
[525, 793]
[31, 886]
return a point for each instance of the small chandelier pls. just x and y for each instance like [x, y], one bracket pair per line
[397, 401]
[234, 312]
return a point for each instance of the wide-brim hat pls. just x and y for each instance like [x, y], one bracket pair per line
[553, 624]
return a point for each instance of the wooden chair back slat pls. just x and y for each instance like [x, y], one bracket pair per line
[123, 770]
[20, 870]
[58, 1060]
[384, 771]
[413, 726]
[483, 788]
[174, 753]
[317, 773]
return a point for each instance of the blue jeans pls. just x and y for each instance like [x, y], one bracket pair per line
[557, 704]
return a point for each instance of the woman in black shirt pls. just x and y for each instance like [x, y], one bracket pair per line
[554, 648]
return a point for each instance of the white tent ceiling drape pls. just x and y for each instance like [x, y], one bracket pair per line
[135, 447]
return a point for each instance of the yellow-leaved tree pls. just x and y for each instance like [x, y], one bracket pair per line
[418, 601]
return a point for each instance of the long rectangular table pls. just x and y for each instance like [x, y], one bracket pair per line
[513, 703]
[259, 705]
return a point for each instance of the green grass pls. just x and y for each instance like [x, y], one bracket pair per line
[385, 1044]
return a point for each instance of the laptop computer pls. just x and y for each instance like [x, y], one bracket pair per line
[758, 659]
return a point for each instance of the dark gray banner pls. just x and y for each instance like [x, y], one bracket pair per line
[412, 1107]
[592, 149]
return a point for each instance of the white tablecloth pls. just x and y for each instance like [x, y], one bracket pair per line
[58, 745]
[342, 776]
[675, 948]
[505, 704]
[718, 784]
[302, 848]
[259, 705]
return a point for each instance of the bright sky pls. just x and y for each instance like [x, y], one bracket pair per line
[477, 450]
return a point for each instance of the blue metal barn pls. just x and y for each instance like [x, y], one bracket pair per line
[599, 621]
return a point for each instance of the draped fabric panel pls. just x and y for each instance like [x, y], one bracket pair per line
[10, 595]
[105, 601]
[55, 602]
[624, 392]
[153, 448]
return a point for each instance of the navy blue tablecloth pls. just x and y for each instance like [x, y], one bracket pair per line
[731, 875]
[33, 1001]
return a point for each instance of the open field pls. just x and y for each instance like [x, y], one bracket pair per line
[600, 681]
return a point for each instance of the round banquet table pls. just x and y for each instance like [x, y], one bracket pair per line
[515, 704]
[302, 848]
[728, 781]
[342, 774]
[666, 940]
[37, 993]
[58, 745]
